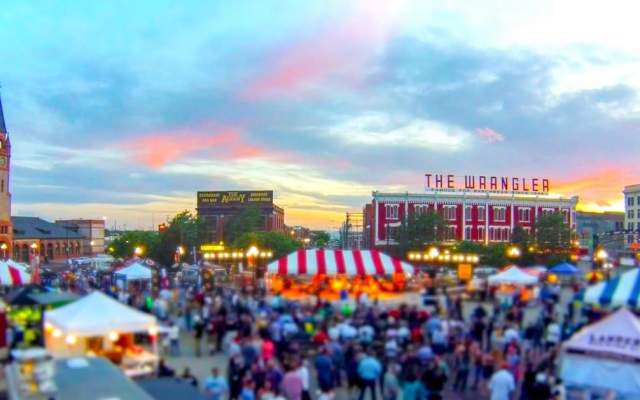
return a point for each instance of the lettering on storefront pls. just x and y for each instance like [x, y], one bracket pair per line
[234, 198]
[502, 184]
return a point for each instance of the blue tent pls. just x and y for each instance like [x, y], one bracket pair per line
[565, 269]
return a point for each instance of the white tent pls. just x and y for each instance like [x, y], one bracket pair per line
[135, 272]
[512, 276]
[604, 355]
[13, 273]
[98, 314]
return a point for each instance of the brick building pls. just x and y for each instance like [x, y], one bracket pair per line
[475, 216]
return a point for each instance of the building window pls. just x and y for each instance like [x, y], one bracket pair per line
[391, 211]
[630, 226]
[450, 213]
[630, 214]
[481, 212]
[499, 214]
[450, 233]
[638, 201]
[548, 211]
[421, 209]
[506, 234]
[2, 187]
[524, 214]
[527, 230]
[467, 233]
[565, 216]
[630, 200]
[467, 213]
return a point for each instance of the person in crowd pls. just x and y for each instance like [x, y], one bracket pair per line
[215, 386]
[369, 370]
[292, 386]
[187, 376]
[164, 370]
[502, 385]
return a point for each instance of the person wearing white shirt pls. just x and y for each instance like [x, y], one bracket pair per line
[502, 384]
[303, 373]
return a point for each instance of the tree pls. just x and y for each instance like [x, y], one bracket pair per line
[125, 244]
[279, 243]
[321, 239]
[184, 230]
[520, 237]
[416, 231]
[552, 233]
[248, 220]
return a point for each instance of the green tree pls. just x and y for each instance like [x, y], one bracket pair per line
[495, 255]
[279, 243]
[321, 238]
[125, 244]
[416, 231]
[249, 220]
[551, 233]
[184, 230]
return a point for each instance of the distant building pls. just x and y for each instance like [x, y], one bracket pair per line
[479, 216]
[352, 232]
[52, 242]
[632, 212]
[217, 207]
[6, 231]
[92, 230]
[591, 223]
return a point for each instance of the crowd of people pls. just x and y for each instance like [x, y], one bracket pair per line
[294, 350]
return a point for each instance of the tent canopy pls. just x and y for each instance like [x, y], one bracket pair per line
[565, 269]
[97, 314]
[617, 334]
[338, 262]
[13, 273]
[512, 276]
[619, 291]
[607, 357]
[135, 271]
[22, 296]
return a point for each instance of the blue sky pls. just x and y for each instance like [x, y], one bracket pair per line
[126, 109]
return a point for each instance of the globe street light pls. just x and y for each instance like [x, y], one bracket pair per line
[137, 251]
[514, 252]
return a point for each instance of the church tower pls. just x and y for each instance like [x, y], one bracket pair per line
[6, 230]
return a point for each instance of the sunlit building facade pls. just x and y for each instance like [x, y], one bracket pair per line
[481, 217]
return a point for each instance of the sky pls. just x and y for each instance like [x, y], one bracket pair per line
[125, 109]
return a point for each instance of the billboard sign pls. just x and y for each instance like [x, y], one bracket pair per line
[234, 198]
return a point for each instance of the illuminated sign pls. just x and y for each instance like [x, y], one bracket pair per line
[504, 184]
[234, 198]
[212, 247]
[465, 272]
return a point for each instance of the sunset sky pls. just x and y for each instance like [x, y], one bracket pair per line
[125, 109]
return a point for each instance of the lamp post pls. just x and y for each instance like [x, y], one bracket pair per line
[179, 254]
[3, 247]
[601, 258]
[138, 251]
[514, 252]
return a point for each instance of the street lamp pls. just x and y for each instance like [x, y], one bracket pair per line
[137, 251]
[514, 252]
[3, 247]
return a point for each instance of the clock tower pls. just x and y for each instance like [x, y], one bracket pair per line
[6, 229]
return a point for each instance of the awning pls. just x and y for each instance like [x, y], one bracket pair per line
[512, 276]
[565, 269]
[621, 290]
[13, 274]
[338, 262]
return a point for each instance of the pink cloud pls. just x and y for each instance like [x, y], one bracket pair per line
[489, 135]
[156, 149]
[342, 50]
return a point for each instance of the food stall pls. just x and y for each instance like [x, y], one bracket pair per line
[623, 290]
[327, 273]
[513, 280]
[136, 272]
[98, 325]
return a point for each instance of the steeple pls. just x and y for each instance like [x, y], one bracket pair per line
[3, 128]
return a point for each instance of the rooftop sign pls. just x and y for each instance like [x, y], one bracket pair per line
[483, 183]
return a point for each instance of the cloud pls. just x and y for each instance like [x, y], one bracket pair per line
[378, 129]
[340, 50]
[489, 135]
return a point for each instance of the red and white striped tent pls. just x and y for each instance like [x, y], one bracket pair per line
[13, 274]
[338, 262]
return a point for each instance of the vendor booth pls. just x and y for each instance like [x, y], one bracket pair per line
[101, 326]
[605, 356]
[513, 275]
[136, 272]
[619, 291]
[13, 273]
[565, 269]
[327, 273]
